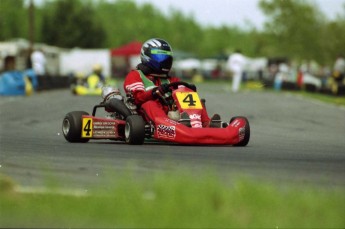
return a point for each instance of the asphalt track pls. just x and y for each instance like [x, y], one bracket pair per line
[293, 140]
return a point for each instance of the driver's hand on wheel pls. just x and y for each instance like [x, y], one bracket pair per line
[162, 89]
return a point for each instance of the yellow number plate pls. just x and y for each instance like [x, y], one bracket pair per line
[189, 100]
[87, 126]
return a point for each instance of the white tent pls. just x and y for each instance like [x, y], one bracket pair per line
[187, 64]
[82, 61]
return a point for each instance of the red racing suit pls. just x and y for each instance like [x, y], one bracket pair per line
[140, 87]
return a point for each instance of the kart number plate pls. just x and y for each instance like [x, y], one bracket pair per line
[86, 131]
[189, 100]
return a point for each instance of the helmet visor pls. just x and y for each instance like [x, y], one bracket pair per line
[160, 55]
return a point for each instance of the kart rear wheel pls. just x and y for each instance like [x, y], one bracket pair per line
[246, 138]
[135, 130]
[72, 125]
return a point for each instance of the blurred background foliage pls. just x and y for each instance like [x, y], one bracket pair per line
[294, 29]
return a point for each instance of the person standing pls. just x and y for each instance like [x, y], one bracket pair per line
[38, 61]
[236, 63]
[339, 69]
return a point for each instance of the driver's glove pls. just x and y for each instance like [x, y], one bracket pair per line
[162, 89]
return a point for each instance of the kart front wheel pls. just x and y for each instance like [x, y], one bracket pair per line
[246, 130]
[135, 130]
[72, 125]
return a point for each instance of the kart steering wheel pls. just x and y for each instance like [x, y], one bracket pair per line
[174, 85]
[181, 83]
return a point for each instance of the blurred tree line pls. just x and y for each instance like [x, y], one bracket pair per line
[294, 29]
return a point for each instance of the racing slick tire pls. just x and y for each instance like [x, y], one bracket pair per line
[246, 138]
[72, 126]
[135, 130]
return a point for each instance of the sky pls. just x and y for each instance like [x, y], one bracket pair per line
[233, 12]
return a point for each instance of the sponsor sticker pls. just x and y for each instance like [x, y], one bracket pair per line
[195, 116]
[97, 129]
[166, 131]
[173, 122]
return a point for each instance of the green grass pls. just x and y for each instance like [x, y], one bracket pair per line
[337, 100]
[258, 86]
[175, 200]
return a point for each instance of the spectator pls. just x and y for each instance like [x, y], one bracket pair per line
[216, 72]
[38, 61]
[339, 68]
[197, 77]
[235, 64]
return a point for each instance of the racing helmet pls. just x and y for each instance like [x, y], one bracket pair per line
[97, 68]
[156, 54]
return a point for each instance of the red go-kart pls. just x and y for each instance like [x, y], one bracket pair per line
[127, 124]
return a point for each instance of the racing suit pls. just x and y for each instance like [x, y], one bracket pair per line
[140, 86]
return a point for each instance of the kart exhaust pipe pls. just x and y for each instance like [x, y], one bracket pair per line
[118, 106]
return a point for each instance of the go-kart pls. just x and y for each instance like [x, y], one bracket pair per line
[126, 123]
[91, 86]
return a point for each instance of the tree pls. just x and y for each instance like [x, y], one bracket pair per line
[335, 34]
[72, 24]
[13, 19]
[296, 28]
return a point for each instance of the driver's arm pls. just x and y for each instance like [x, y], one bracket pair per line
[141, 97]
[134, 85]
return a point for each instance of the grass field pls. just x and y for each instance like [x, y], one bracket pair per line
[337, 100]
[176, 200]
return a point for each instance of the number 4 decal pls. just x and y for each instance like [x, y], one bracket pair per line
[86, 131]
[189, 100]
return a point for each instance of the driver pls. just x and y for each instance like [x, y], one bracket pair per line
[151, 77]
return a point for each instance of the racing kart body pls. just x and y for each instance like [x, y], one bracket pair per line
[126, 122]
[91, 86]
